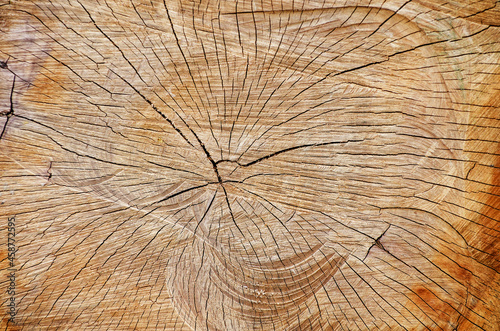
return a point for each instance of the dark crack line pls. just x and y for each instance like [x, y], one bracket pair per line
[378, 244]
[288, 150]
[10, 113]
[155, 108]
[149, 101]
[388, 57]
[112, 42]
[129, 84]
[231, 210]
[481, 12]
[206, 212]
[149, 242]
[184, 191]
[185, 59]
[202, 145]
[72, 151]
[388, 18]
[194, 82]
[347, 226]
[174, 169]
[84, 267]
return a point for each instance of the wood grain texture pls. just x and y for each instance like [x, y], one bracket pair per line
[251, 165]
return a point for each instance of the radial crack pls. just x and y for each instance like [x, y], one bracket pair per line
[288, 150]
[10, 113]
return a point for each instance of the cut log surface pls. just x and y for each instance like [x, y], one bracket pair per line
[250, 165]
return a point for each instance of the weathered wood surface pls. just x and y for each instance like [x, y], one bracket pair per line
[308, 165]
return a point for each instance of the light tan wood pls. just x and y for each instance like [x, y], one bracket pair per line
[220, 165]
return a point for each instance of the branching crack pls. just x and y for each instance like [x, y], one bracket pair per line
[10, 112]
[214, 164]
[202, 145]
[378, 243]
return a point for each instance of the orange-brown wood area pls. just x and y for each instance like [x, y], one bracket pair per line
[249, 165]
